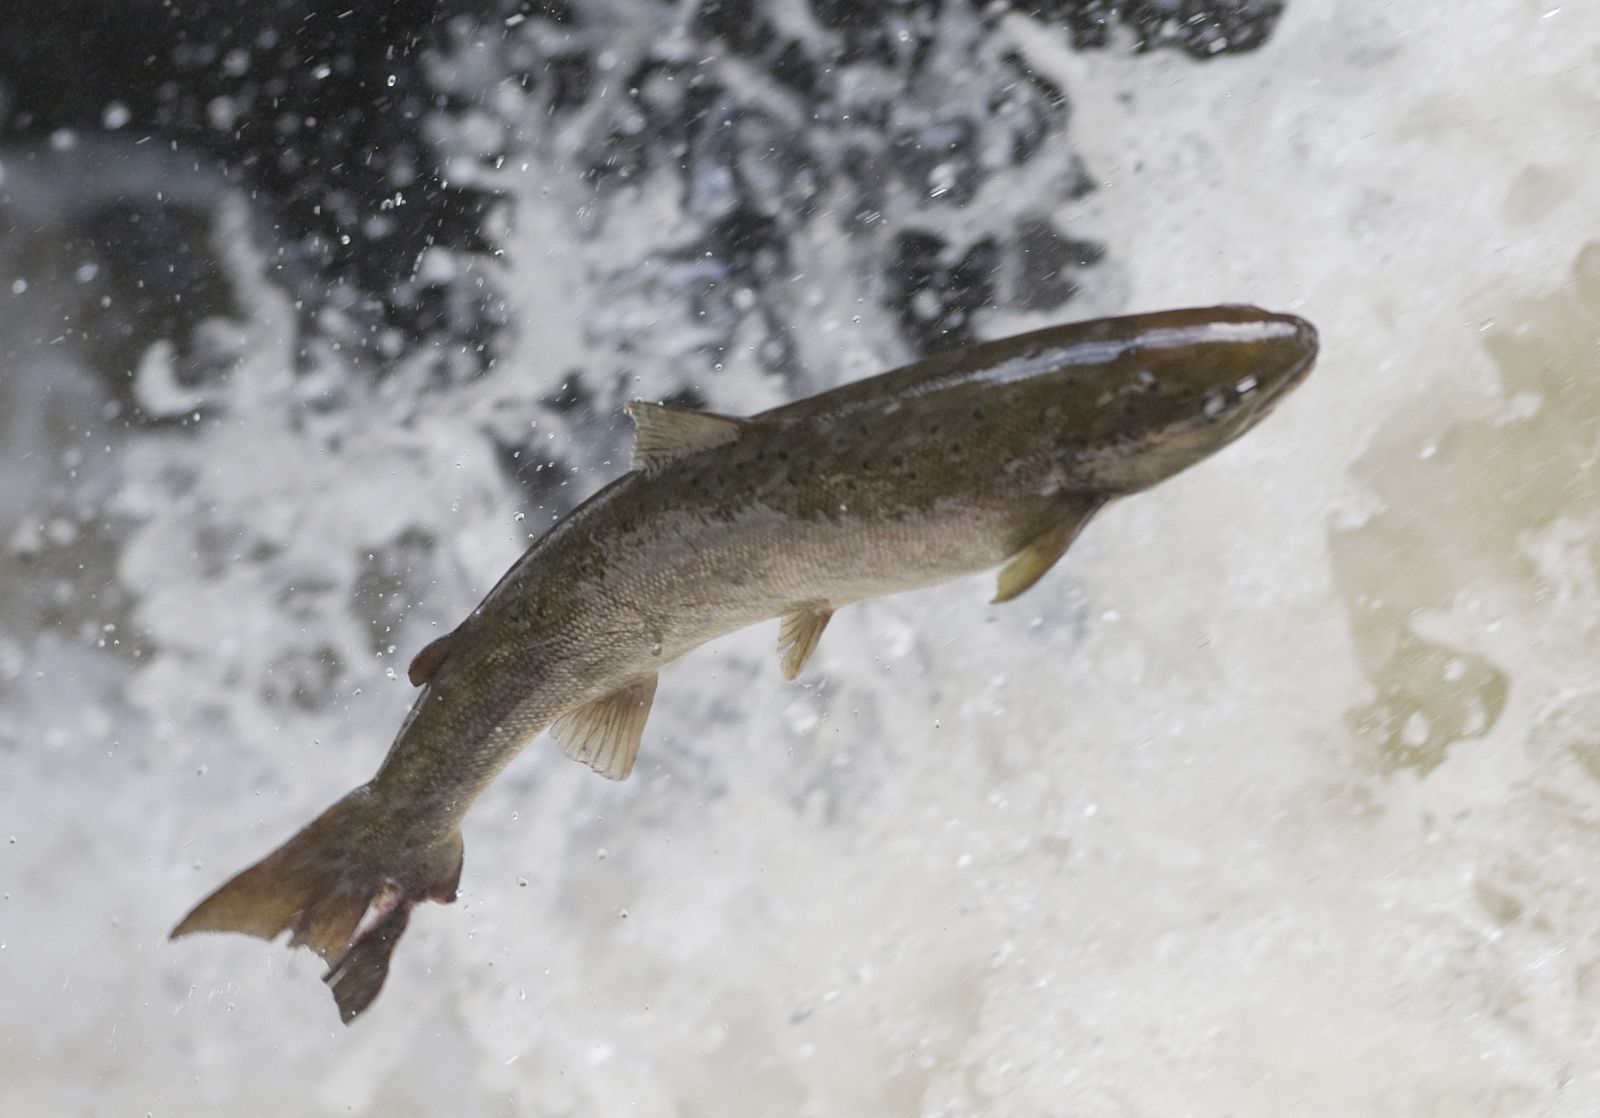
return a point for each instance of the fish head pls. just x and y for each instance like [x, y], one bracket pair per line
[1181, 386]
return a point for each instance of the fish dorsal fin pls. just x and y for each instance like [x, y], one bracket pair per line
[798, 637]
[604, 734]
[663, 433]
[1029, 565]
[427, 663]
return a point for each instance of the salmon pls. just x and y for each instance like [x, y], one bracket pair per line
[993, 456]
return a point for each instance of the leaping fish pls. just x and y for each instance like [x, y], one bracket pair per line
[995, 455]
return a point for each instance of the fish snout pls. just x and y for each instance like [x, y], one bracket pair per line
[1297, 350]
[1249, 365]
[1284, 359]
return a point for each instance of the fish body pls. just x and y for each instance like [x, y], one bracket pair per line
[993, 455]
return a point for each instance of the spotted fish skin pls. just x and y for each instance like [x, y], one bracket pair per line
[998, 454]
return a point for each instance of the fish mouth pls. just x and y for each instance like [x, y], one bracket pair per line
[1306, 343]
[1305, 336]
[1247, 401]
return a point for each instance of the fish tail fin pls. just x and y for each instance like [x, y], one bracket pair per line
[343, 886]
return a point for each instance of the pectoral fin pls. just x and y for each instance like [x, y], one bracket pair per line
[663, 433]
[605, 733]
[798, 637]
[1029, 565]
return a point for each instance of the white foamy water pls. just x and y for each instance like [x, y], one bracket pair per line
[1282, 795]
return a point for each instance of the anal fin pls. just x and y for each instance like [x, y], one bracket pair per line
[604, 734]
[1029, 565]
[797, 638]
